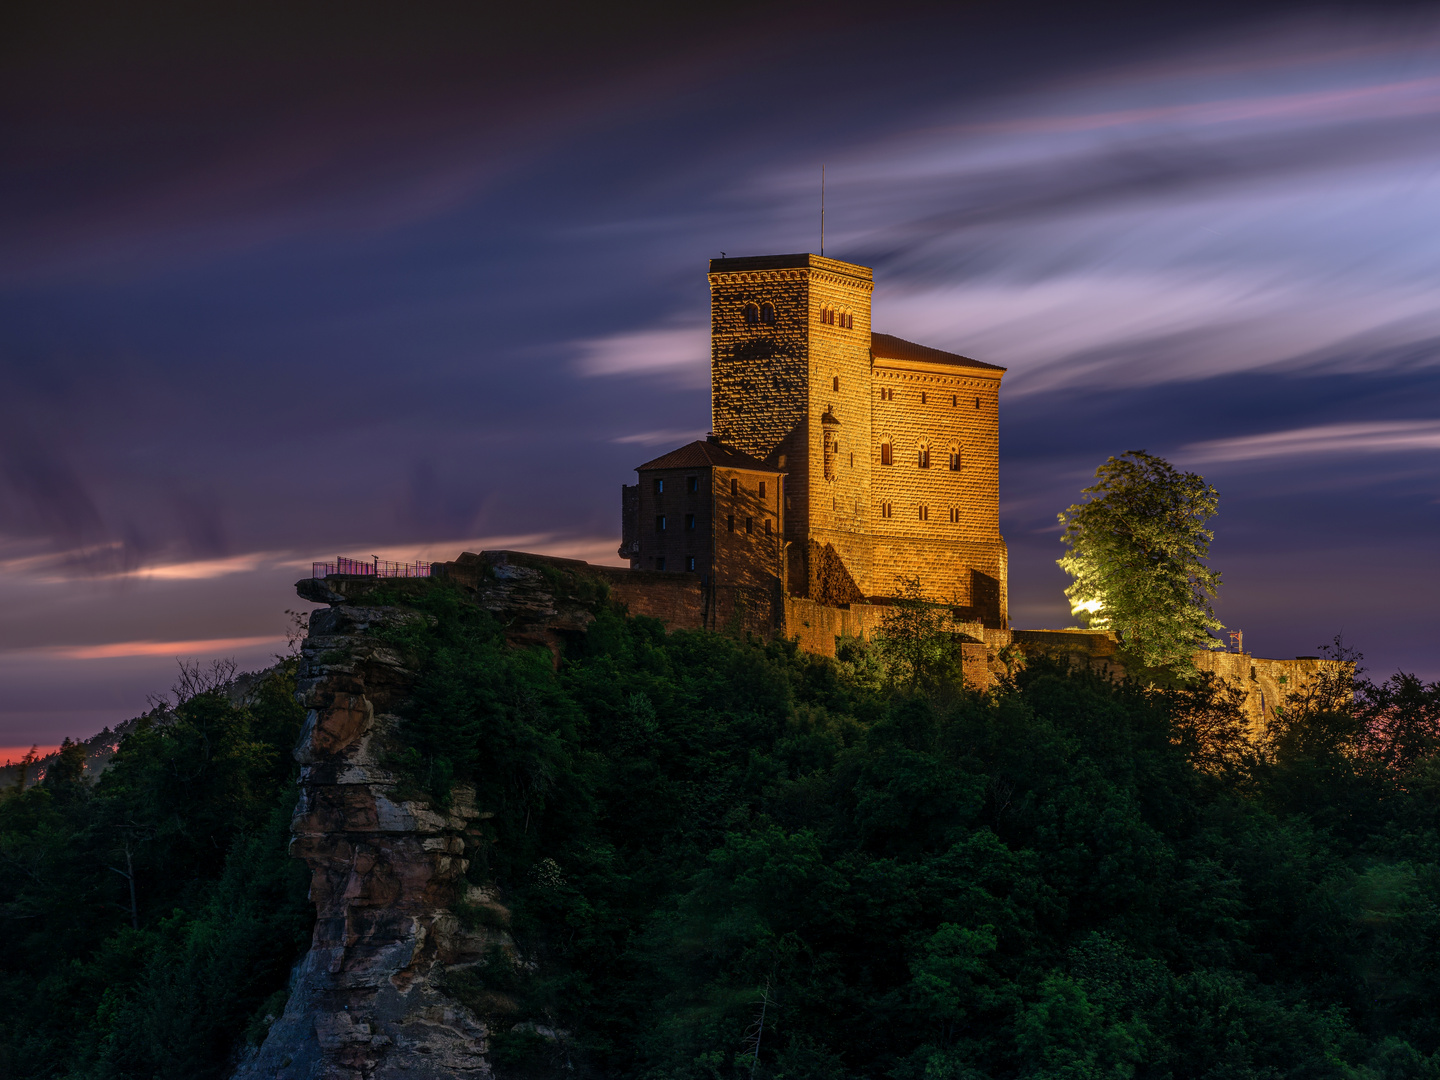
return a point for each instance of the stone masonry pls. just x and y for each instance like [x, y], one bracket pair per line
[890, 450]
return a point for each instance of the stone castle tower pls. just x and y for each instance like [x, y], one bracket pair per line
[887, 452]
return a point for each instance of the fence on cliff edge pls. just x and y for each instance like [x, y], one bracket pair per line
[369, 568]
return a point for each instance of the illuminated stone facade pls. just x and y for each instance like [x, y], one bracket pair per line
[890, 450]
[885, 453]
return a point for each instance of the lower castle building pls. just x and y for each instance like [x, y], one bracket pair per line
[843, 462]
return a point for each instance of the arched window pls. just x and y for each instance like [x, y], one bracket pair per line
[752, 315]
[835, 384]
[767, 314]
[886, 457]
[954, 459]
[924, 457]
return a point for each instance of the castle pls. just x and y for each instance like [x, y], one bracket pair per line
[844, 467]
[842, 463]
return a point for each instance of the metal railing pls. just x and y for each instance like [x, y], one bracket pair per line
[369, 568]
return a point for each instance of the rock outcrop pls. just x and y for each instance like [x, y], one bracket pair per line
[369, 1000]
[366, 1000]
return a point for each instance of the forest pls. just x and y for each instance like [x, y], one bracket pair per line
[727, 859]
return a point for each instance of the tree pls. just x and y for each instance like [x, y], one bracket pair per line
[1137, 551]
[916, 639]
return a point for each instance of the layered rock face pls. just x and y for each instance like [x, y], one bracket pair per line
[368, 1002]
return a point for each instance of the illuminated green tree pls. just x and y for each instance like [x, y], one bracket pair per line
[1137, 554]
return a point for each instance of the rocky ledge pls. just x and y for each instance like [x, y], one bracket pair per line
[368, 1001]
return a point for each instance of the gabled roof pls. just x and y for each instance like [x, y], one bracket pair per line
[893, 348]
[703, 453]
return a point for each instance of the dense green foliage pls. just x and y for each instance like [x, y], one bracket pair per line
[194, 810]
[1065, 878]
[1137, 554]
[695, 833]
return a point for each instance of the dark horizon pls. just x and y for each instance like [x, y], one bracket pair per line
[283, 286]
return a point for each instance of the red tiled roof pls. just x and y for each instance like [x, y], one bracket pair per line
[703, 453]
[894, 348]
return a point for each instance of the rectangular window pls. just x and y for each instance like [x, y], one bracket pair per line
[660, 563]
[885, 457]
[767, 526]
[762, 489]
[884, 510]
[954, 516]
[690, 562]
[749, 525]
[734, 487]
[692, 483]
[924, 513]
[659, 487]
[925, 458]
[689, 522]
[659, 522]
[922, 397]
[730, 522]
[954, 460]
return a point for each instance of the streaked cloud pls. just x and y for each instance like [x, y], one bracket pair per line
[661, 437]
[115, 650]
[681, 352]
[1381, 437]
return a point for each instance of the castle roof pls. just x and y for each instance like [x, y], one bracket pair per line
[703, 453]
[888, 347]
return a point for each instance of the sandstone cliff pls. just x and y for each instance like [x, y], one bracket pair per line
[369, 1000]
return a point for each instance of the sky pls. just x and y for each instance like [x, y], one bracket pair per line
[284, 282]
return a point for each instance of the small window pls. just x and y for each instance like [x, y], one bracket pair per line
[762, 489]
[922, 397]
[782, 461]
[730, 522]
[659, 522]
[884, 510]
[954, 460]
[752, 315]
[852, 460]
[660, 563]
[689, 522]
[954, 399]
[767, 526]
[954, 516]
[692, 483]
[734, 487]
[767, 314]
[659, 487]
[924, 513]
[924, 457]
[977, 403]
[885, 454]
[749, 525]
[690, 562]
[835, 384]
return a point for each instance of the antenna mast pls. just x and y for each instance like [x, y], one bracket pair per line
[822, 209]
